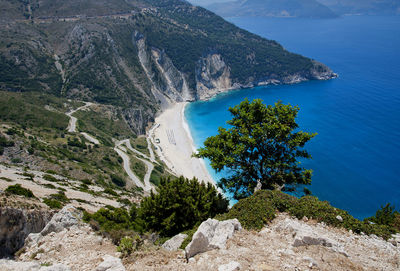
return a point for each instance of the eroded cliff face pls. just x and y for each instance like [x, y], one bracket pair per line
[212, 76]
[16, 224]
[168, 84]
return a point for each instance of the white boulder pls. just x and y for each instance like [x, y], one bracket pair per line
[110, 263]
[175, 242]
[210, 235]
[232, 266]
[338, 217]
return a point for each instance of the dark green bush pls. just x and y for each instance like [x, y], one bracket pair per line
[115, 223]
[386, 215]
[52, 203]
[50, 178]
[179, 205]
[60, 196]
[256, 211]
[118, 180]
[19, 190]
[4, 143]
[110, 192]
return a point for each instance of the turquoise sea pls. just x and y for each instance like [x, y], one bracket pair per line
[356, 153]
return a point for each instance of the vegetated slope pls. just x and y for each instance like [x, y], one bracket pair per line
[34, 136]
[366, 7]
[271, 8]
[139, 56]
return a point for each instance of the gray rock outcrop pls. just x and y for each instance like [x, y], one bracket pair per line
[110, 263]
[66, 218]
[304, 235]
[175, 242]
[211, 234]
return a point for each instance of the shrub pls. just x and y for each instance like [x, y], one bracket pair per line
[19, 190]
[110, 192]
[60, 196]
[52, 203]
[386, 215]
[113, 222]
[128, 244]
[4, 143]
[56, 201]
[50, 178]
[16, 160]
[256, 211]
[118, 180]
[179, 205]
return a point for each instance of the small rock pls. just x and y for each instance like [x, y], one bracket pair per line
[232, 266]
[110, 263]
[192, 260]
[339, 218]
[98, 240]
[175, 242]
[311, 261]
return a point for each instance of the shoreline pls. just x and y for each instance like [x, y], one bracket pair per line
[173, 140]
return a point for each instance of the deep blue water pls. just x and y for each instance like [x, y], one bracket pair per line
[356, 153]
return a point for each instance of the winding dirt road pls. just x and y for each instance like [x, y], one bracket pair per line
[145, 185]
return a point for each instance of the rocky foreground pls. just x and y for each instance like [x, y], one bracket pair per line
[66, 243]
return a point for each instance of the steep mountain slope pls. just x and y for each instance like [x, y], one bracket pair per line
[271, 8]
[366, 7]
[137, 55]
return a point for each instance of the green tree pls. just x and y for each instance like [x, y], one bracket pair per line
[179, 205]
[263, 144]
[386, 215]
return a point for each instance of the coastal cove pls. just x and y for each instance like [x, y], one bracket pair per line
[356, 152]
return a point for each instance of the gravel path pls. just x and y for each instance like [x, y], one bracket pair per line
[72, 121]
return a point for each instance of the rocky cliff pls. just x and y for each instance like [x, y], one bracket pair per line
[16, 224]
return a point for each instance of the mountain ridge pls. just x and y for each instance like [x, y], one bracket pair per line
[270, 8]
[140, 56]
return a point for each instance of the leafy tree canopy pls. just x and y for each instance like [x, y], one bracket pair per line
[179, 205]
[263, 144]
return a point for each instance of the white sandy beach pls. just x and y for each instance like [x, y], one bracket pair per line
[176, 145]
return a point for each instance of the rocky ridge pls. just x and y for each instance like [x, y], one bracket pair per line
[285, 244]
[16, 224]
[66, 244]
